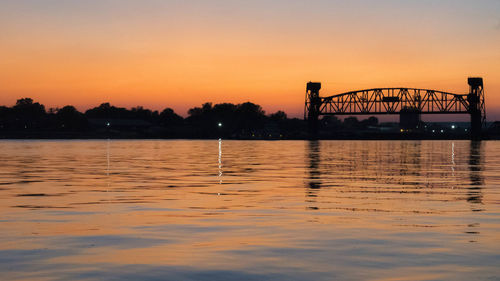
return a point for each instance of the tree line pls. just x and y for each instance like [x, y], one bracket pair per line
[28, 118]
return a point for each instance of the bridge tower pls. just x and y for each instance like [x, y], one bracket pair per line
[477, 108]
[312, 108]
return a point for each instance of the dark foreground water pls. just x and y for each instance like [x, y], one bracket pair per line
[249, 210]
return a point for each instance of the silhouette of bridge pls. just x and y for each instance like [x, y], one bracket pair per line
[409, 103]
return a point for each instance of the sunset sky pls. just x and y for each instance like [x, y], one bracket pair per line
[182, 53]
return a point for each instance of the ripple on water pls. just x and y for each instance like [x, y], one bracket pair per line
[243, 210]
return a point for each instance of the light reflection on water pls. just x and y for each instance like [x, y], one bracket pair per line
[284, 210]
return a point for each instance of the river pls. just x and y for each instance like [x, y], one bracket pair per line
[249, 210]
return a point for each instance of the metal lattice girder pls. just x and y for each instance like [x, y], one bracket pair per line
[392, 101]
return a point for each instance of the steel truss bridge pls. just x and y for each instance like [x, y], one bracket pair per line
[407, 102]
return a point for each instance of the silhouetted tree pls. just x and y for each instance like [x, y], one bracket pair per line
[102, 111]
[234, 119]
[144, 114]
[351, 122]
[169, 118]
[28, 109]
[105, 110]
[250, 116]
[71, 119]
[240, 121]
[224, 113]
[371, 121]
[5, 113]
[330, 121]
[198, 114]
[29, 114]
[278, 116]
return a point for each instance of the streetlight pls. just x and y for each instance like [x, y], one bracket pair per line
[219, 126]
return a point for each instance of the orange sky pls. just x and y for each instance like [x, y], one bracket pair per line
[180, 54]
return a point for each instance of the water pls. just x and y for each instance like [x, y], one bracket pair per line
[249, 210]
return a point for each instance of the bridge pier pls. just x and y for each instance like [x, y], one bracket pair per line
[476, 106]
[409, 118]
[313, 104]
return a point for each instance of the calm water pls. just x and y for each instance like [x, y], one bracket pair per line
[249, 210]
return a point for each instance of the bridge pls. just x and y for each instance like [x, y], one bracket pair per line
[409, 103]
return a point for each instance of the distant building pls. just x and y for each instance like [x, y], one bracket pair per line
[409, 118]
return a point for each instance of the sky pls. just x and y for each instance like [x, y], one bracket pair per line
[183, 53]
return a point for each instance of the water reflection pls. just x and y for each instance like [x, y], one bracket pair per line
[453, 163]
[314, 173]
[108, 161]
[220, 161]
[288, 210]
[410, 165]
[107, 157]
[474, 193]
